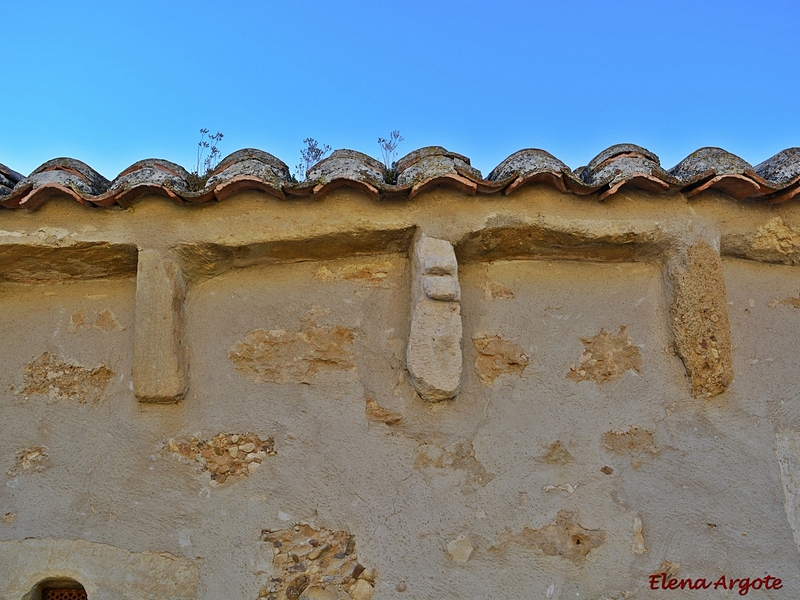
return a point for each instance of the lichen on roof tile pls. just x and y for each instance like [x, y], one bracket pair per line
[151, 172]
[250, 162]
[709, 161]
[525, 162]
[71, 173]
[621, 150]
[8, 179]
[782, 169]
[433, 162]
[349, 165]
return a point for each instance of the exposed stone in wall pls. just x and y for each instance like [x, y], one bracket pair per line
[634, 441]
[106, 572]
[699, 320]
[460, 550]
[433, 354]
[226, 456]
[8, 518]
[497, 356]
[159, 358]
[606, 357]
[669, 568]
[638, 538]
[495, 291]
[104, 321]
[52, 376]
[785, 302]
[565, 538]
[279, 356]
[775, 237]
[372, 274]
[29, 460]
[317, 564]
[432, 461]
[557, 454]
[788, 451]
[375, 412]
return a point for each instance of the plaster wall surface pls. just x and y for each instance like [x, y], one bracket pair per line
[576, 459]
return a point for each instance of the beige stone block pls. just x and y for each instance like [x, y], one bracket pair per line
[159, 367]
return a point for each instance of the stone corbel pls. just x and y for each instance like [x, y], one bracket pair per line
[433, 354]
[159, 360]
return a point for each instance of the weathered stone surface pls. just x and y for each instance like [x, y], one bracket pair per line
[777, 238]
[565, 538]
[699, 319]
[788, 452]
[52, 255]
[460, 550]
[52, 376]
[557, 454]
[279, 356]
[371, 274]
[315, 562]
[29, 460]
[375, 412]
[226, 456]
[497, 356]
[638, 538]
[433, 354]
[606, 357]
[159, 368]
[106, 572]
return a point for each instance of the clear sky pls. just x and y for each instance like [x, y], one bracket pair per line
[111, 83]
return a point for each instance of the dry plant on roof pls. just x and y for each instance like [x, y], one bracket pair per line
[311, 155]
[206, 163]
[389, 150]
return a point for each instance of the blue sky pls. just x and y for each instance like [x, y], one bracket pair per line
[110, 83]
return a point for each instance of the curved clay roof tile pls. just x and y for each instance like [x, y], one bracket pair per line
[434, 165]
[347, 168]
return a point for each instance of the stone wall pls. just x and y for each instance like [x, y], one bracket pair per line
[532, 394]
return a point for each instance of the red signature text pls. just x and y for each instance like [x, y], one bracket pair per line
[659, 581]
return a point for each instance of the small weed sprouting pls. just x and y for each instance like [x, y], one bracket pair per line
[197, 178]
[389, 150]
[311, 155]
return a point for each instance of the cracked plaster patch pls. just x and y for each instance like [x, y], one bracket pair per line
[372, 274]
[29, 460]
[316, 563]
[50, 375]
[280, 356]
[565, 538]
[432, 460]
[633, 441]
[606, 357]
[497, 356]
[105, 321]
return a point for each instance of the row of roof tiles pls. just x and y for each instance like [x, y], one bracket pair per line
[625, 165]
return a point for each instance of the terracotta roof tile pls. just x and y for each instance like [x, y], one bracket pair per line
[618, 167]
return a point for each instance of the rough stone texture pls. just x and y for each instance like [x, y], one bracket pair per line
[226, 456]
[29, 460]
[375, 412]
[565, 538]
[373, 274]
[51, 376]
[557, 454]
[699, 320]
[775, 237]
[434, 346]
[606, 357]
[497, 356]
[315, 562]
[459, 457]
[279, 356]
[159, 368]
[460, 550]
[56, 257]
[106, 572]
[788, 451]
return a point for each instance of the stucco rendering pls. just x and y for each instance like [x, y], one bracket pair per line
[542, 384]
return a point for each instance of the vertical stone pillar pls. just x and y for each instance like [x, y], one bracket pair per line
[433, 355]
[698, 315]
[159, 364]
